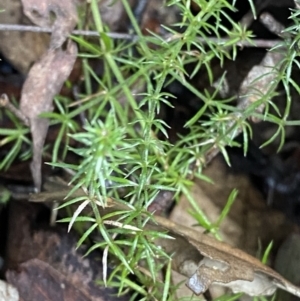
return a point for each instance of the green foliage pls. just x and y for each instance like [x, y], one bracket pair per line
[15, 138]
[123, 147]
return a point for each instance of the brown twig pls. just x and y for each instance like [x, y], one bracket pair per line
[4, 102]
[261, 43]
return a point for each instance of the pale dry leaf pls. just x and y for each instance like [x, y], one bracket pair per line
[60, 15]
[230, 231]
[44, 81]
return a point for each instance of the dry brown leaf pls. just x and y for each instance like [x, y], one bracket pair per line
[47, 76]
[44, 81]
[41, 12]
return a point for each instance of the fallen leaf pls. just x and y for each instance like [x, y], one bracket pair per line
[260, 80]
[44, 81]
[42, 13]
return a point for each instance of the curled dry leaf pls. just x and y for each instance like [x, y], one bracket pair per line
[44, 81]
[41, 13]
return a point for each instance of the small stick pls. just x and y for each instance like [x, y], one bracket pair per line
[271, 23]
[139, 10]
[4, 102]
[125, 36]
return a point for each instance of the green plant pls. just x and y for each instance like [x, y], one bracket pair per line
[123, 148]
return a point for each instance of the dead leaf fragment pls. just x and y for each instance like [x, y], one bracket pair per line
[41, 13]
[44, 81]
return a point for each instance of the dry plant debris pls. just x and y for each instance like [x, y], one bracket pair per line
[259, 80]
[37, 280]
[203, 259]
[41, 13]
[21, 49]
[238, 229]
[257, 83]
[44, 81]
[46, 77]
[225, 265]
